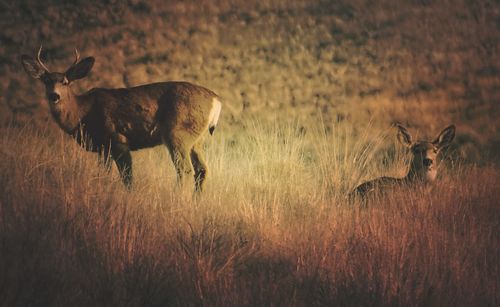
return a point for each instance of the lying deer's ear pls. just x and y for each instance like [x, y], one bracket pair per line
[32, 67]
[80, 69]
[404, 136]
[445, 137]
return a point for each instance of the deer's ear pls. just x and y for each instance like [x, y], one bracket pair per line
[32, 67]
[80, 69]
[404, 136]
[445, 137]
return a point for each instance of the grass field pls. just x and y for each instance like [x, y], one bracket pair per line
[310, 90]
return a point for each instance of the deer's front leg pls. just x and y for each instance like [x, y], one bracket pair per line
[123, 159]
[104, 157]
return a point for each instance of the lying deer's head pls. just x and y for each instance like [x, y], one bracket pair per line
[423, 164]
[57, 84]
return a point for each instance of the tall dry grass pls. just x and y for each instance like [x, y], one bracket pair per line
[274, 226]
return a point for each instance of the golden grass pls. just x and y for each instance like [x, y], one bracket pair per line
[273, 228]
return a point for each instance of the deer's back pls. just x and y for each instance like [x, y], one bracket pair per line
[378, 184]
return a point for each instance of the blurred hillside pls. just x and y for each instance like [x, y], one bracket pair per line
[421, 62]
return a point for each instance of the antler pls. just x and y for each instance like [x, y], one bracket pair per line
[77, 57]
[40, 60]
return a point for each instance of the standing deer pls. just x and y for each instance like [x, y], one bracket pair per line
[113, 122]
[423, 162]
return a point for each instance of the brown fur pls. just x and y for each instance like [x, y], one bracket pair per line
[114, 122]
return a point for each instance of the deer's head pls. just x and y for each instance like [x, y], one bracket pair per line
[424, 153]
[57, 84]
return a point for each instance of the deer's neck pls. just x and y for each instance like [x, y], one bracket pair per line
[421, 175]
[70, 115]
[412, 175]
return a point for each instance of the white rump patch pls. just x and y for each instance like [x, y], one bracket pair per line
[213, 117]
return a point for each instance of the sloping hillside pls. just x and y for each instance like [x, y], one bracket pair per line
[424, 63]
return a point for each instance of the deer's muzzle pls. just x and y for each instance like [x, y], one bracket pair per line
[53, 97]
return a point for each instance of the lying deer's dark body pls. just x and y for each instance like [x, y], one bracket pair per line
[114, 122]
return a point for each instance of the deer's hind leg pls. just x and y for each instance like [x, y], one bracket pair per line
[180, 153]
[200, 166]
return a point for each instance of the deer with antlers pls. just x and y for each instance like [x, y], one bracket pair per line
[114, 122]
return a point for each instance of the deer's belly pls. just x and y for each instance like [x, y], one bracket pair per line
[145, 142]
[140, 136]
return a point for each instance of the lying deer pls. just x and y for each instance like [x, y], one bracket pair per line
[114, 122]
[423, 162]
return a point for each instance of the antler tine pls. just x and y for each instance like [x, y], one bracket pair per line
[77, 57]
[40, 60]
